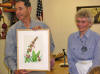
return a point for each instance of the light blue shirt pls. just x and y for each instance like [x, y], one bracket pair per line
[11, 42]
[91, 40]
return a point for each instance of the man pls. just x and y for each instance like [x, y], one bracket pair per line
[23, 10]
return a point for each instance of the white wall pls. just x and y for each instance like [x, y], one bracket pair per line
[59, 15]
[34, 8]
[3, 68]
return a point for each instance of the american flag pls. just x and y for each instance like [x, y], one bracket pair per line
[39, 10]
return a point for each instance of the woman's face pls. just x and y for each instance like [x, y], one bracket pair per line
[82, 24]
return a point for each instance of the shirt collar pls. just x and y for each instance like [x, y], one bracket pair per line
[87, 34]
[23, 23]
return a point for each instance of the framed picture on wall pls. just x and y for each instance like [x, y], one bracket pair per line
[95, 11]
[33, 50]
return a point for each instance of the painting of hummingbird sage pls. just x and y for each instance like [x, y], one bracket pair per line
[33, 49]
[31, 55]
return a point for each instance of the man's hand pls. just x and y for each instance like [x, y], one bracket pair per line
[37, 28]
[52, 61]
[22, 71]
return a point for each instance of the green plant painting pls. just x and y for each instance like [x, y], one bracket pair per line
[34, 57]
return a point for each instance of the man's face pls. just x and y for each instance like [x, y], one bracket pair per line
[22, 12]
[82, 24]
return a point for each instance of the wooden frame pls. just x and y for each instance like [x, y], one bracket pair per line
[95, 10]
[33, 51]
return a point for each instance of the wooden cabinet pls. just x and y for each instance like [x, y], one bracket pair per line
[8, 5]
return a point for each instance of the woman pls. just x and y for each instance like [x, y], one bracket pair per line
[83, 46]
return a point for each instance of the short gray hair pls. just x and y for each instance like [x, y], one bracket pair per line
[85, 13]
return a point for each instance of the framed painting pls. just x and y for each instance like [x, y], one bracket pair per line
[95, 11]
[33, 50]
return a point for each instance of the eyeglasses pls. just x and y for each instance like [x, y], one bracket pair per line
[78, 21]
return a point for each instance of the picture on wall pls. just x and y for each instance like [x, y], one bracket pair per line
[95, 11]
[33, 49]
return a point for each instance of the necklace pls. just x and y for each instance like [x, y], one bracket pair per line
[84, 48]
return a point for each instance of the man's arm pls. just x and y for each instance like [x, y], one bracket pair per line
[10, 51]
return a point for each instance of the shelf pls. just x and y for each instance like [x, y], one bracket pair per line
[9, 10]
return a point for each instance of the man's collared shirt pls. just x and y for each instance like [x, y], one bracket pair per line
[11, 42]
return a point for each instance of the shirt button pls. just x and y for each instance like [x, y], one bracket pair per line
[73, 48]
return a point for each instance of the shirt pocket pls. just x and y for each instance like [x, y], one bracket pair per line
[90, 51]
[76, 48]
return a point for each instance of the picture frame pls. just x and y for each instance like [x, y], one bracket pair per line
[95, 11]
[33, 50]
